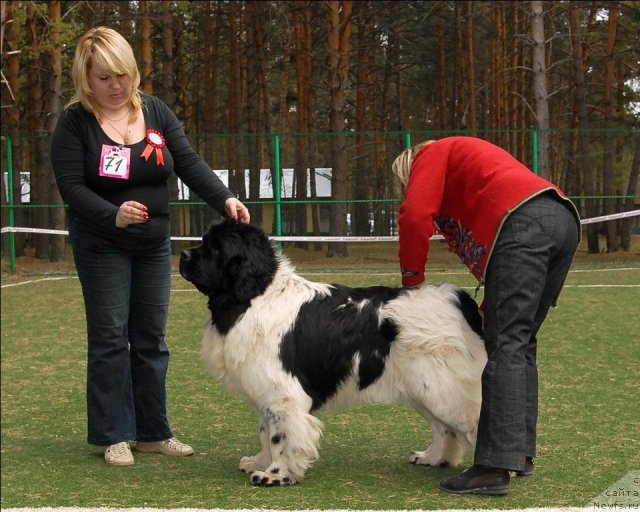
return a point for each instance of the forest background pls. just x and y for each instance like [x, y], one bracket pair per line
[343, 85]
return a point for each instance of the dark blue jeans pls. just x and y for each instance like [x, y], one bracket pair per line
[526, 271]
[125, 283]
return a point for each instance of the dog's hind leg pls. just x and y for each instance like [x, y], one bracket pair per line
[262, 459]
[446, 449]
[293, 438]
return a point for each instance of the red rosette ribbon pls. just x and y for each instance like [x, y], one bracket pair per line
[155, 140]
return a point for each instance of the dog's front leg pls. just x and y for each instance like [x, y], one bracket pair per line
[262, 459]
[293, 439]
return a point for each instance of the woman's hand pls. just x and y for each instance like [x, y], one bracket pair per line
[131, 212]
[236, 210]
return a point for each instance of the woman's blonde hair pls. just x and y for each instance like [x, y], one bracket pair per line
[402, 164]
[105, 49]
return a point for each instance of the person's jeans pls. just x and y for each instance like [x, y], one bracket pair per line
[526, 271]
[126, 284]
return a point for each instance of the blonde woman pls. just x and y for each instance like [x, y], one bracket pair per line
[517, 233]
[113, 152]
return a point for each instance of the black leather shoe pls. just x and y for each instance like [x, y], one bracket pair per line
[479, 480]
[529, 469]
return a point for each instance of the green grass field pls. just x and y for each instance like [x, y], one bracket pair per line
[589, 425]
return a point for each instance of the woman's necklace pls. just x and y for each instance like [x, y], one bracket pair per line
[125, 136]
[117, 120]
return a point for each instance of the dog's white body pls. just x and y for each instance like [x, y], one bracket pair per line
[434, 363]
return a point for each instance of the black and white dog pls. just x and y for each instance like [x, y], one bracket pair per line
[289, 346]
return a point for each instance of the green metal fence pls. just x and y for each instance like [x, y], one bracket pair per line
[289, 181]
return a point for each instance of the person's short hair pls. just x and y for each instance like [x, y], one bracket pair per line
[402, 164]
[106, 49]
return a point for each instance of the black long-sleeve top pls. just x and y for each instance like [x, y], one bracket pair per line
[76, 150]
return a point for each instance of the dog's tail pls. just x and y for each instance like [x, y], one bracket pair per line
[470, 311]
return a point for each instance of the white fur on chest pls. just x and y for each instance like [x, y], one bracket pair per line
[246, 358]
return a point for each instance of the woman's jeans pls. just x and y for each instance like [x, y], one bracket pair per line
[126, 283]
[528, 267]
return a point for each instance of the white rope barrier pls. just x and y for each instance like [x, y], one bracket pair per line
[593, 220]
[613, 216]
[34, 230]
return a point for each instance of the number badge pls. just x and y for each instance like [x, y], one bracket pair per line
[115, 162]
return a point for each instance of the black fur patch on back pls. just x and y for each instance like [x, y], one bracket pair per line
[329, 331]
[469, 309]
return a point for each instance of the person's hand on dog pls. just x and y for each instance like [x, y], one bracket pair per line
[131, 212]
[236, 210]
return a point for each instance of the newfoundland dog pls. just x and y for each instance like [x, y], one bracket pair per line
[289, 347]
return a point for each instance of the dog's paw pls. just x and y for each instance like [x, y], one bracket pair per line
[426, 459]
[263, 479]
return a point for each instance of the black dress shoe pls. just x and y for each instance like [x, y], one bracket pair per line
[529, 469]
[479, 480]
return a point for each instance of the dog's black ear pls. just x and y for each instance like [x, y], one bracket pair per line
[244, 287]
[250, 280]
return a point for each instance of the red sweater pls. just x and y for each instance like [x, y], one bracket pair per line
[464, 188]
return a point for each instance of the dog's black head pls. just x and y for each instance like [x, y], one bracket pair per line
[235, 263]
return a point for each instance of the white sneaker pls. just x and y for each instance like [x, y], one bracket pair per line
[119, 455]
[171, 447]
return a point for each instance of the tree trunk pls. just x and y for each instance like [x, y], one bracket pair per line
[441, 73]
[607, 171]
[11, 104]
[472, 122]
[360, 182]
[166, 91]
[302, 29]
[57, 214]
[584, 146]
[632, 190]
[146, 49]
[514, 25]
[211, 26]
[311, 121]
[523, 90]
[538, 62]
[183, 100]
[500, 90]
[255, 107]
[339, 47]
[236, 175]
[284, 97]
[125, 18]
[37, 126]
[460, 62]
[166, 87]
